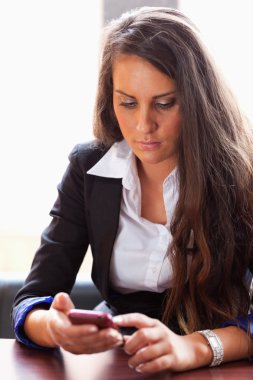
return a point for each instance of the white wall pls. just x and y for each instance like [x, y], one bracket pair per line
[227, 26]
[48, 67]
[48, 71]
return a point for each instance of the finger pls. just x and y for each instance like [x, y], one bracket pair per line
[97, 342]
[134, 320]
[144, 337]
[162, 363]
[62, 302]
[79, 331]
[109, 337]
[126, 338]
[147, 354]
[88, 334]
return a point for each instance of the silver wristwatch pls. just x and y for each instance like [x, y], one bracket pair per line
[216, 346]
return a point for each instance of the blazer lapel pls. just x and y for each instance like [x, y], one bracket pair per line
[103, 220]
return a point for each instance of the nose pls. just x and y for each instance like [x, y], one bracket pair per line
[146, 122]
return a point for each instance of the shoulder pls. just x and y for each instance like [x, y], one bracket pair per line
[88, 154]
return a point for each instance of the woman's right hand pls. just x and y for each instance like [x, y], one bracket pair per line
[56, 330]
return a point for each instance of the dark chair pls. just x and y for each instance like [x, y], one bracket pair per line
[84, 295]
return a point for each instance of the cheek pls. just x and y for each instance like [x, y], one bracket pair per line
[176, 125]
[117, 112]
[123, 119]
[172, 130]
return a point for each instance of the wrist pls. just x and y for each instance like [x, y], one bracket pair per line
[216, 345]
[201, 350]
[36, 328]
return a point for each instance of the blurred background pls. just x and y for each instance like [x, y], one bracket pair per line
[49, 52]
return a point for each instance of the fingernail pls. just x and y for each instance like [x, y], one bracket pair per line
[118, 344]
[92, 329]
[113, 334]
[130, 366]
[118, 319]
[139, 368]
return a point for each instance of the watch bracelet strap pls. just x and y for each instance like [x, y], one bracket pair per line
[216, 346]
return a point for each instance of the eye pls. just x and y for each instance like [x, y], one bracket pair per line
[166, 105]
[130, 104]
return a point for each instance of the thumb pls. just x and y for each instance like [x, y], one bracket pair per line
[62, 302]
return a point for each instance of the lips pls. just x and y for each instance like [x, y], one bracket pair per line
[148, 145]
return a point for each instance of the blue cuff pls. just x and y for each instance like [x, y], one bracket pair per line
[19, 314]
[245, 323]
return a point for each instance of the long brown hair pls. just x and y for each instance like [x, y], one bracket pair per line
[215, 165]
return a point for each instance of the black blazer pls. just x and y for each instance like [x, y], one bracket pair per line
[85, 212]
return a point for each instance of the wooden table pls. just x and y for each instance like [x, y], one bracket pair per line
[20, 363]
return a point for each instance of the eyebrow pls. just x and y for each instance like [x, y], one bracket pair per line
[154, 97]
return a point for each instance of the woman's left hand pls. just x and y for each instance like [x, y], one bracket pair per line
[154, 347]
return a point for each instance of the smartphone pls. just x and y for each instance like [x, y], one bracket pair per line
[101, 320]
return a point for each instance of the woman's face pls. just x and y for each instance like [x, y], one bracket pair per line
[146, 107]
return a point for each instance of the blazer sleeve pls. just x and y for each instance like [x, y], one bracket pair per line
[64, 242]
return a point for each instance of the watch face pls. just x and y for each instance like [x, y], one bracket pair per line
[216, 345]
[213, 341]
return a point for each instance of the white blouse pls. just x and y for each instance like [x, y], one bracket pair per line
[141, 253]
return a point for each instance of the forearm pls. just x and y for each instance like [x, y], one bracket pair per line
[36, 328]
[236, 343]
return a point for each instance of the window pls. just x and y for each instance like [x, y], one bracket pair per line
[227, 28]
[48, 72]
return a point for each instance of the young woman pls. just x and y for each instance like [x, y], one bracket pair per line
[164, 198]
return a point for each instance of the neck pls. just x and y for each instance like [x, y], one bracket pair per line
[155, 173]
